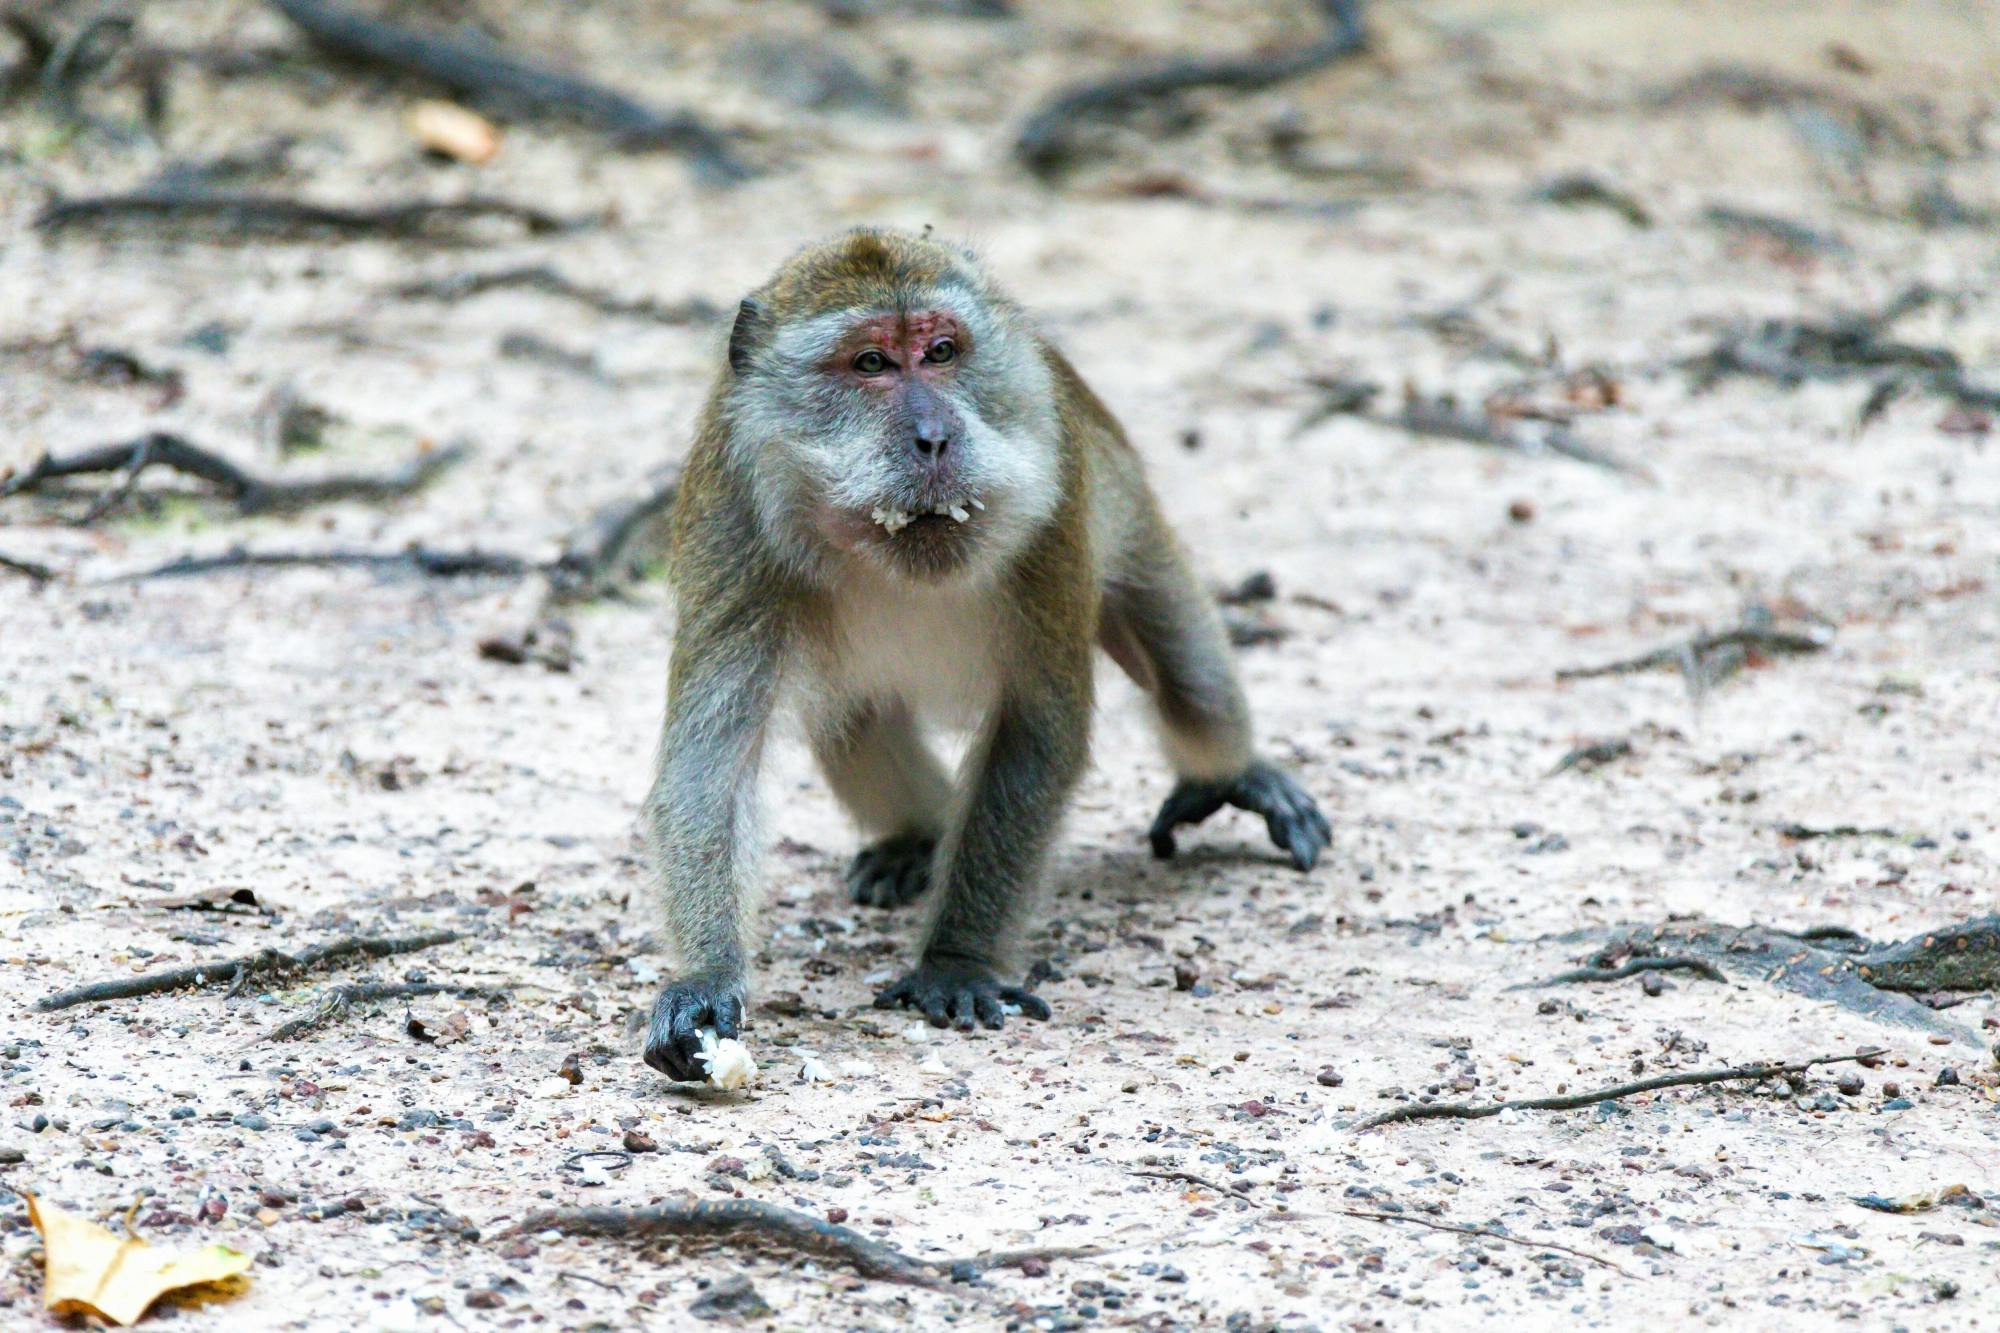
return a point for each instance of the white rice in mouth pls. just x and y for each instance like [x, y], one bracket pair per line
[893, 520]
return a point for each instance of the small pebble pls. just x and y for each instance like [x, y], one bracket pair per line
[1850, 1085]
[638, 1142]
[1329, 1079]
[251, 1121]
[1947, 1077]
[485, 1300]
[836, 1215]
[1185, 975]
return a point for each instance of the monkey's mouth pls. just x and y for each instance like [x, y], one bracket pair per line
[893, 520]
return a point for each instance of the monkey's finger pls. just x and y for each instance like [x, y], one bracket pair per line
[913, 880]
[893, 994]
[1031, 1004]
[1302, 840]
[1190, 803]
[987, 1008]
[669, 1053]
[937, 1008]
[1292, 831]
[728, 1016]
[964, 1009]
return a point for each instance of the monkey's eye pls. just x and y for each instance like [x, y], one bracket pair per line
[943, 350]
[871, 362]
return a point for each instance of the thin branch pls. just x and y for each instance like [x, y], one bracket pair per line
[1772, 639]
[252, 494]
[237, 971]
[1442, 419]
[474, 66]
[38, 574]
[1048, 141]
[742, 1221]
[1190, 1178]
[332, 1005]
[1483, 1234]
[595, 560]
[754, 1222]
[429, 561]
[541, 278]
[235, 216]
[992, 1259]
[1631, 968]
[1571, 1101]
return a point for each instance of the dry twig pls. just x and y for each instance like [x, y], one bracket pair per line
[238, 971]
[252, 494]
[1048, 141]
[1849, 345]
[231, 216]
[1483, 1233]
[1190, 1178]
[425, 560]
[36, 573]
[1707, 659]
[481, 69]
[1571, 1101]
[757, 1223]
[541, 278]
[596, 559]
[1630, 968]
[332, 1005]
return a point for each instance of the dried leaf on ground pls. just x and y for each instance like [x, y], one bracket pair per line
[89, 1270]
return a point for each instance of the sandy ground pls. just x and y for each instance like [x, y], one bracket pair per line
[332, 741]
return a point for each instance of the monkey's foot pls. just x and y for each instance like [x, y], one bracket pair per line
[679, 1015]
[1294, 820]
[958, 994]
[892, 872]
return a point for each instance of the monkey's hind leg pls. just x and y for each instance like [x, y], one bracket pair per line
[875, 759]
[1164, 629]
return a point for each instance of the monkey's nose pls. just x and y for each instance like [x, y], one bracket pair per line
[931, 439]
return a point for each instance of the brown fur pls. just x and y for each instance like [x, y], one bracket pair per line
[1099, 566]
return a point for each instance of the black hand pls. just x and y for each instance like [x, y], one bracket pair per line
[679, 1015]
[1292, 818]
[891, 872]
[958, 993]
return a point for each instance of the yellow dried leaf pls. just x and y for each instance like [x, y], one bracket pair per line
[450, 129]
[90, 1270]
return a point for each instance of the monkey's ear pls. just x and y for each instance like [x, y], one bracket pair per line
[743, 336]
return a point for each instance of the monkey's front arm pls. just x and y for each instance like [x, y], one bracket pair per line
[989, 865]
[701, 818]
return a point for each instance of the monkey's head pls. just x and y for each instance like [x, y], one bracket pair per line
[888, 402]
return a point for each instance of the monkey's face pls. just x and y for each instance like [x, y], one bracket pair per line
[919, 438]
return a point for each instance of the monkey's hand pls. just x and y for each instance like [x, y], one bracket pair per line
[1294, 820]
[958, 993]
[679, 1015]
[892, 872]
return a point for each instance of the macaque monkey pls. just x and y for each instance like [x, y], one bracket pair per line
[904, 506]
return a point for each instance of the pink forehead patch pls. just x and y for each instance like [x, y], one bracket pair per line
[909, 333]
